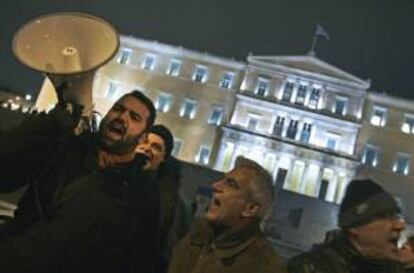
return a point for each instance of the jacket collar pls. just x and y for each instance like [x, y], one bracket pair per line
[228, 244]
[355, 258]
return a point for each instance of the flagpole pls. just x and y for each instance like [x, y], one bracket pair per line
[313, 45]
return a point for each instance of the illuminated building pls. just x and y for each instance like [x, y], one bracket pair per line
[193, 92]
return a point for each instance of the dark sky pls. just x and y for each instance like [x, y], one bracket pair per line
[370, 39]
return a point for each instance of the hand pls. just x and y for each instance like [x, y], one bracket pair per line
[141, 159]
[66, 116]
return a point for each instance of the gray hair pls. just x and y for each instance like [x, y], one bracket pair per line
[260, 186]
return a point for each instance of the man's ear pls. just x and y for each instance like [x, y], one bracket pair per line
[251, 210]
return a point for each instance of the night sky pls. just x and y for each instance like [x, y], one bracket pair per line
[370, 39]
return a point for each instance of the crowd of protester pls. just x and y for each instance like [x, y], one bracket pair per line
[110, 201]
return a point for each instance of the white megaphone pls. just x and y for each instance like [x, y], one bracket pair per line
[67, 48]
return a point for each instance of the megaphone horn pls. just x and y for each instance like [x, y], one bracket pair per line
[69, 48]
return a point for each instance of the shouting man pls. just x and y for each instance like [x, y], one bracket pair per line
[229, 239]
[88, 208]
[371, 225]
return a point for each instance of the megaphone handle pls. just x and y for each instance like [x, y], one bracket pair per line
[60, 90]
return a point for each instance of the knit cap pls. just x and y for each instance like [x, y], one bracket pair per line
[365, 201]
[166, 135]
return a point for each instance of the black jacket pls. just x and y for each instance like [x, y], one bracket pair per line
[337, 256]
[73, 217]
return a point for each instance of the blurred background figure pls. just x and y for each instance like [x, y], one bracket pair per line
[166, 172]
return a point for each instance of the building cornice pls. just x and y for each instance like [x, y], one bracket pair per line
[178, 51]
[390, 100]
[353, 82]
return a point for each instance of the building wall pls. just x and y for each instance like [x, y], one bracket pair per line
[389, 137]
[299, 222]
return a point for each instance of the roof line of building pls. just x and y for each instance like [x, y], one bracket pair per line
[175, 50]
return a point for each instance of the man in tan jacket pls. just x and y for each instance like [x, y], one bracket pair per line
[229, 239]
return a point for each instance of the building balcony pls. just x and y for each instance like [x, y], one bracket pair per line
[325, 112]
[297, 143]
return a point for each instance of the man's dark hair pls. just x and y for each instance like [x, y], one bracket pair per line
[147, 102]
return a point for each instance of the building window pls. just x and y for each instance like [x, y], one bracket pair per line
[326, 179]
[216, 115]
[378, 116]
[408, 124]
[178, 144]
[402, 164]
[306, 131]
[262, 87]
[149, 62]
[280, 178]
[112, 90]
[278, 127]
[292, 129]
[370, 155]
[340, 106]
[203, 155]
[174, 68]
[323, 190]
[287, 92]
[188, 109]
[200, 74]
[163, 102]
[332, 141]
[314, 98]
[301, 95]
[124, 56]
[227, 80]
[252, 122]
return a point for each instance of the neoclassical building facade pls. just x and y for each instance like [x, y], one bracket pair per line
[311, 124]
[299, 117]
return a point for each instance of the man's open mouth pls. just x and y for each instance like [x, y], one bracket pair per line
[116, 128]
[394, 241]
[216, 202]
